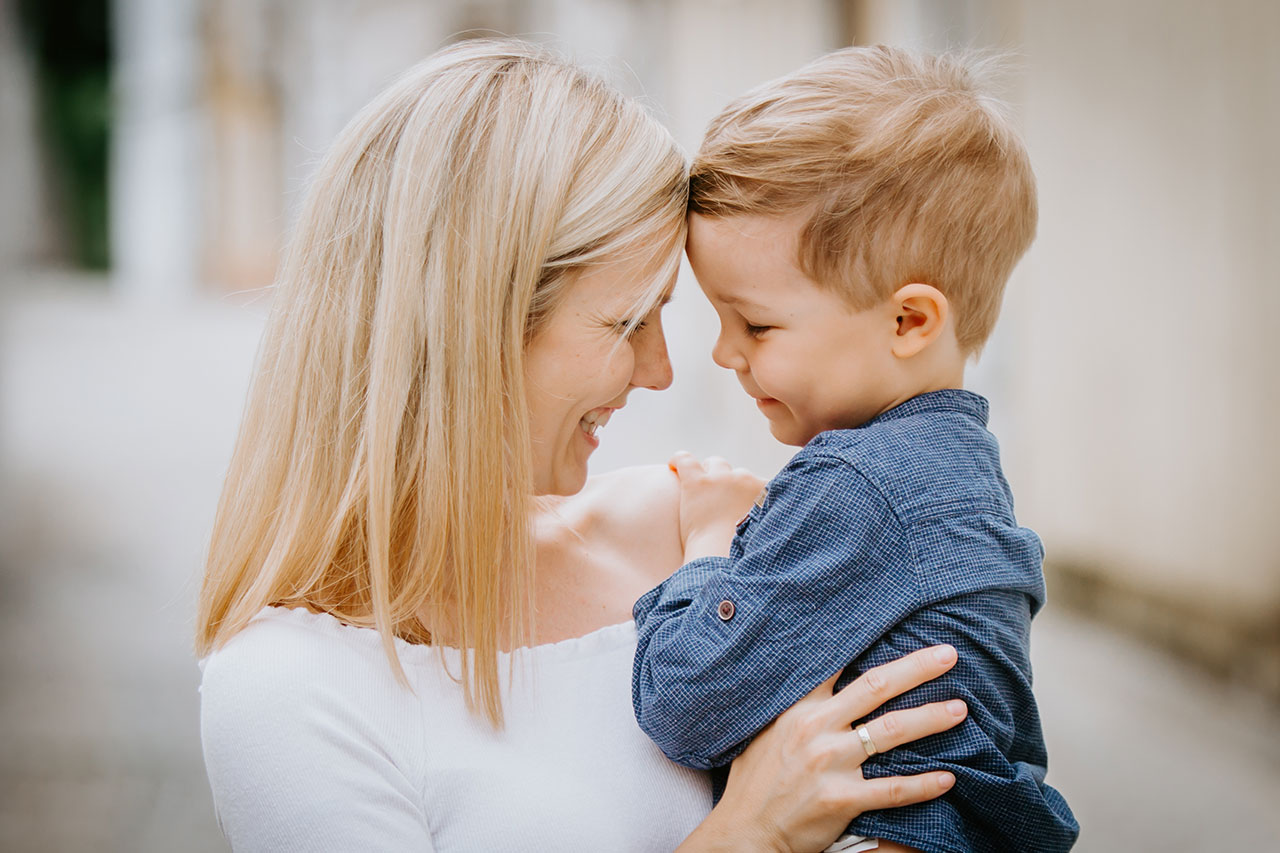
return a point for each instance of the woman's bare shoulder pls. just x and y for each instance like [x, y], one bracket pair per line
[636, 511]
[622, 494]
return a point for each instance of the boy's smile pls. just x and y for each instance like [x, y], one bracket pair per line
[810, 360]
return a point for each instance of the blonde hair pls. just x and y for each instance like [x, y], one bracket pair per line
[905, 169]
[383, 471]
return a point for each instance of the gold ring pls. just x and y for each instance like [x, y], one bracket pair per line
[867, 743]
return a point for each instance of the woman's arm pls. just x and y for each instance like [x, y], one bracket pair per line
[798, 784]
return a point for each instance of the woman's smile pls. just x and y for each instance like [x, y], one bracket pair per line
[593, 420]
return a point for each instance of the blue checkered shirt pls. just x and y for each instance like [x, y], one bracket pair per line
[871, 543]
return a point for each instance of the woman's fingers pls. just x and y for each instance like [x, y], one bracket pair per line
[899, 727]
[878, 685]
[893, 791]
[804, 771]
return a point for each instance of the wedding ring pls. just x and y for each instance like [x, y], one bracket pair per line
[867, 743]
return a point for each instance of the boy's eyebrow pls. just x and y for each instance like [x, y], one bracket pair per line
[739, 302]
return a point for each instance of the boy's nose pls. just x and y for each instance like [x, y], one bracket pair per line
[726, 355]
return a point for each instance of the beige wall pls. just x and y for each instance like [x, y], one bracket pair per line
[1148, 396]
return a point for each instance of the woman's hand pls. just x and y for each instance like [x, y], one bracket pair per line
[714, 496]
[799, 783]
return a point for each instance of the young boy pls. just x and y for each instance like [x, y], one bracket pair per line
[854, 225]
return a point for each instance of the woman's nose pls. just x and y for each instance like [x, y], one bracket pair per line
[653, 364]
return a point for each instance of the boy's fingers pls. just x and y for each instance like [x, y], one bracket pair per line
[899, 727]
[717, 465]
[893, 791]
[878, 685]
[683, 462]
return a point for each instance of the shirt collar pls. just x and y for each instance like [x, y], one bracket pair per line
[946, 400]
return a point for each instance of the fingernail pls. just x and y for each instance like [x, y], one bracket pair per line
[673, 468]
[946, 780]
[944, 654]
[956, 708]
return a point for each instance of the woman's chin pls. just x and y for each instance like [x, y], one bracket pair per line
[565, 481]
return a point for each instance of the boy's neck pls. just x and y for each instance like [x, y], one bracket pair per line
[941, 374]
[936, 371]
[950, 375]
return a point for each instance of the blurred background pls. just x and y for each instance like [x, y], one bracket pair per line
[153, 153]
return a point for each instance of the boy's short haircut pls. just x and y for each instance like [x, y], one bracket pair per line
[906, 171]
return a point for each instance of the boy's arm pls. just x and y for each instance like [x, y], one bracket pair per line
[726, 644]
[824, 574]
[1000, 800]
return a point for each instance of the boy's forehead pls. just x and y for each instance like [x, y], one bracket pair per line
[735, 255]
[753, 226]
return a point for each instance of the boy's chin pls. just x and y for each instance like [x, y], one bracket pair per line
[790, 433]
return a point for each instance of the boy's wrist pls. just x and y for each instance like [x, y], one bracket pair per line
[707, 543]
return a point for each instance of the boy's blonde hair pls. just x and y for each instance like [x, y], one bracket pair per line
[383, 469]
[906, 172]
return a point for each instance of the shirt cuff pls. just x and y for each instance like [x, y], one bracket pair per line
[679, 589]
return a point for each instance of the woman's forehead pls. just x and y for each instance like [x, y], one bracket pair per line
[627, 281]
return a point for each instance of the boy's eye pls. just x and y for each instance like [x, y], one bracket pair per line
[755, 331]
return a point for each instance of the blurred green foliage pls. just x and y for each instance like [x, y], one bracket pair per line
[70, 44]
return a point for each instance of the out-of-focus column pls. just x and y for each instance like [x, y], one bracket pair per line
[243, 183]
[156, 149]
[25, 233]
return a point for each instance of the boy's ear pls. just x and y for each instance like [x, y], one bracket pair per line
[922, 313]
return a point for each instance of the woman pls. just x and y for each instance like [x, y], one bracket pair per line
[474, 286]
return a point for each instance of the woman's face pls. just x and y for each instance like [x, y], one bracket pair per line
[583, 363]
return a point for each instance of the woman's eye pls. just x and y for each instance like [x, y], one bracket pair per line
[755, 331]
[626, 327]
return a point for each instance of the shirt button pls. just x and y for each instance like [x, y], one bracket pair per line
[762, 497]
[725, 610]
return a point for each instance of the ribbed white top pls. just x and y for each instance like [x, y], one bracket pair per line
[312, 745]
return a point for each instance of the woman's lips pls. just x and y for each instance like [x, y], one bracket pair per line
[592, 421]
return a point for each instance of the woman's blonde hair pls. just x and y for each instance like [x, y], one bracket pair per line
[382, 472]
[904, 167]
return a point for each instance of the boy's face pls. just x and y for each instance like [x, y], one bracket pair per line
[811, 362]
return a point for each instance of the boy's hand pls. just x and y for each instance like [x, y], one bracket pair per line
[713, 498]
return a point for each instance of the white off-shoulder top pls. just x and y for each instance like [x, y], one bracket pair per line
[312, 745]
